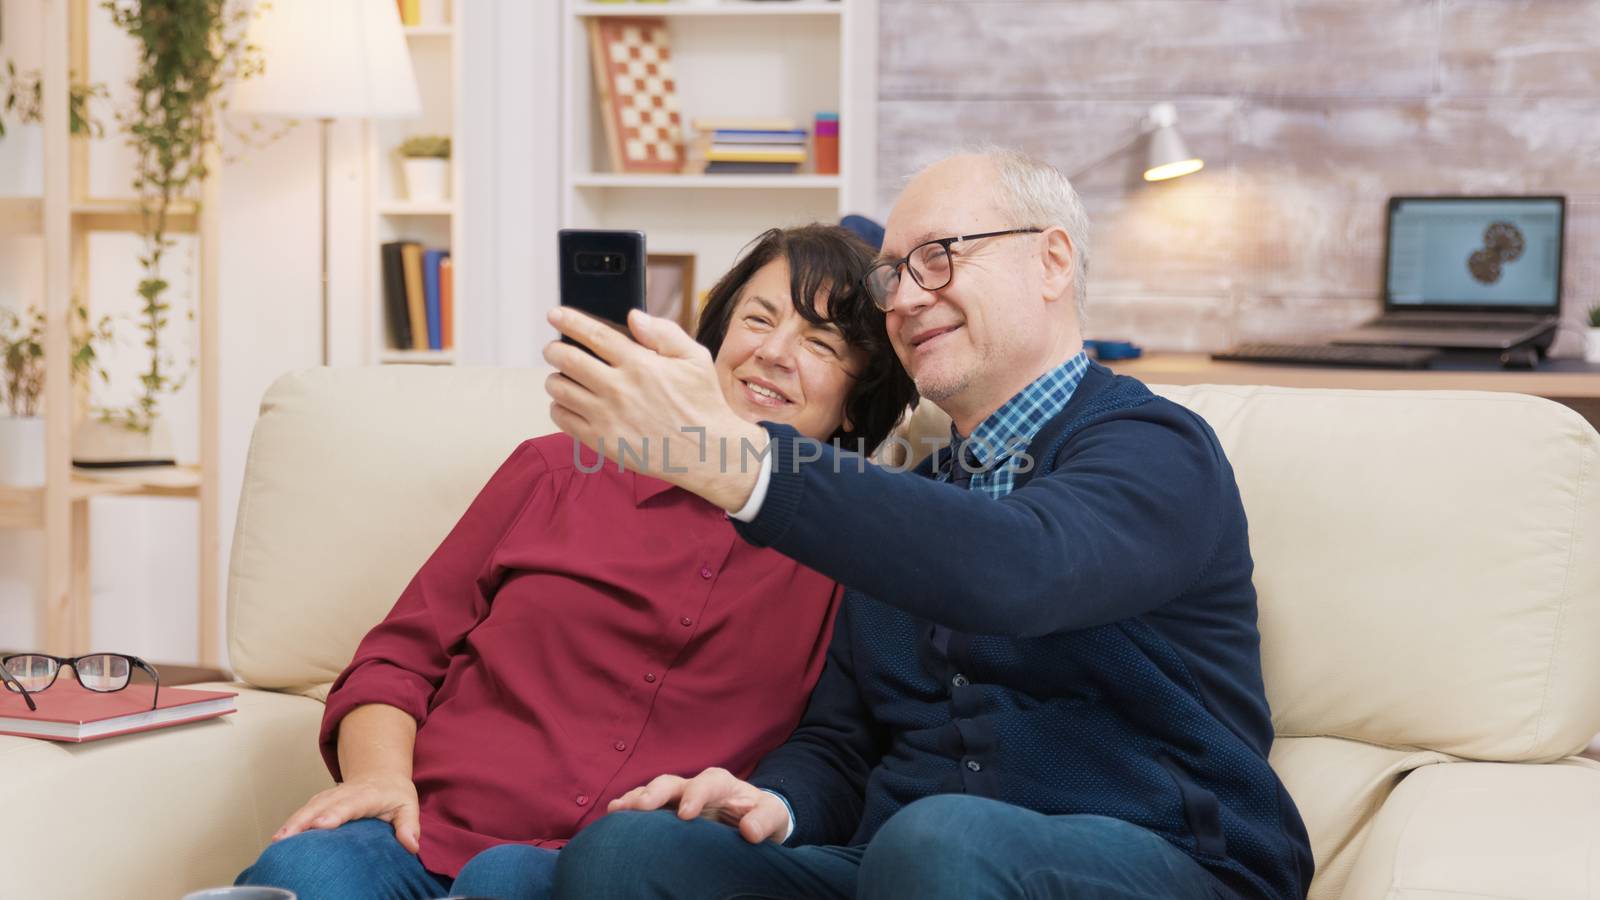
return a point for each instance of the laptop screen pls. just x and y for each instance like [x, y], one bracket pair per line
[1475, 253]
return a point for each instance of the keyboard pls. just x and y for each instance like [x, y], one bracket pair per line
[1369, 357]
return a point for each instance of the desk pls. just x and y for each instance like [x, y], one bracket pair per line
[1570, 382]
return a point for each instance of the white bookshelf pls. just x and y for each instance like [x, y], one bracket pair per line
[735, 58]
[437, 60]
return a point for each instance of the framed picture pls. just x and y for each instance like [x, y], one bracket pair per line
[669, 287]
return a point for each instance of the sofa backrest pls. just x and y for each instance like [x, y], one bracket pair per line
[354, 477]
[1428, 563]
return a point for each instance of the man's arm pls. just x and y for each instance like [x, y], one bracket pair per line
[1124, 524]
[822, 769]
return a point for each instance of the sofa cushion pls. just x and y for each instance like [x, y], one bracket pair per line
[1485, 831]
[160, 813]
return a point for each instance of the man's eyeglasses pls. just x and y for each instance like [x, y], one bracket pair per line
[106, 673]
[929, 263]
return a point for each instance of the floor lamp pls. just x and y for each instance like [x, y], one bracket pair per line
[327, 61]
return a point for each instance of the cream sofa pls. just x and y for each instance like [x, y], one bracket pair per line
[1428, 566]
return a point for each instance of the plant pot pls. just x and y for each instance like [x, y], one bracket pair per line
[109, 447]
[22, 451]
[427, 179]
[1591, 345]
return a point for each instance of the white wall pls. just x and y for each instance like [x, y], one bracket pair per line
[144, 550]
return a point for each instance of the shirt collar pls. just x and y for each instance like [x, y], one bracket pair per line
[1010, 428]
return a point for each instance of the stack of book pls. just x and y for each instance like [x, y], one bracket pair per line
[751, 146]
[418, 296]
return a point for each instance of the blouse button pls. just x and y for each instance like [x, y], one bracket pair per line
[686, 621]
[650, 677]
[620, 746]
[583, 800]
[960, 680]
[705, 571]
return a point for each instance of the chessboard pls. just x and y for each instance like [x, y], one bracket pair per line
[638, 96]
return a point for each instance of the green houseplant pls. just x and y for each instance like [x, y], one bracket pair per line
[22, 383]
[23, 97]
[426, 161]
[188, 51]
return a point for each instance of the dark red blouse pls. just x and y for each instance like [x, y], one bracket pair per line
[576, 635]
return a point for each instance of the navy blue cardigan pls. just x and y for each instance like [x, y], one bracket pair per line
[1086, 644]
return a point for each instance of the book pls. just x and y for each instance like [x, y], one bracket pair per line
[416, 305]
[737, 124]
[751, 168]
[410, 12]
[394, 296]
[430, 296]
[797, 136]
[447, 301]
[770, 149]
[69, 712]
[737, 154]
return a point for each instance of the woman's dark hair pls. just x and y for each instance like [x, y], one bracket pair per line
[827, 260]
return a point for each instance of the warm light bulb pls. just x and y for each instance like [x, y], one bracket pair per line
[1174, 170]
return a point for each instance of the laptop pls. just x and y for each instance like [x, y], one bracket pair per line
[1468, 273]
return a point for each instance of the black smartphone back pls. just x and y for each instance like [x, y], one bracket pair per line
[602, 273]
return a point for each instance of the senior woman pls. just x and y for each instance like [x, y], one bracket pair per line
[577, 627]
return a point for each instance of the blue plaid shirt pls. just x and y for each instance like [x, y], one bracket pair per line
[992, 448]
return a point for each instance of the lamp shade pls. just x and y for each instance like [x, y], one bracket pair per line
[1169, 156]
[330, 60]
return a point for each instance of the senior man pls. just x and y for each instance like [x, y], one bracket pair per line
[1046, 679]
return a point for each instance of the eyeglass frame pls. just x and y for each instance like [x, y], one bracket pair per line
[946, 243]
[63, 662]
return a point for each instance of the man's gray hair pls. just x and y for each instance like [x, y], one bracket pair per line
[1035, 194]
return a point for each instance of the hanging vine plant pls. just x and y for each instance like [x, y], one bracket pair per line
[188, 51]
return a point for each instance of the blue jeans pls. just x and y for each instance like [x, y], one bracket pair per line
[362, 860]
[947, 847]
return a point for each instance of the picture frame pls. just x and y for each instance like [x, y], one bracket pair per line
[669, 288]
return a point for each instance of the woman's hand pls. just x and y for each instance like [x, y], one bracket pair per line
[714, 794]
[392, 799]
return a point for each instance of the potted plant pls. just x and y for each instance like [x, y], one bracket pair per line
[426, 160]
[1591, 343]
[186, 53]
[22, 382]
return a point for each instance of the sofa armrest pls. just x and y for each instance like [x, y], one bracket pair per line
[1476, 831]
[161, 813]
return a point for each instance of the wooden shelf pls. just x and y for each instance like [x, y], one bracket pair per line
[25, 215]
[725, 182]
[421, 357]
[724, 8]
[124, 215]
[410, 208]
[23, 507]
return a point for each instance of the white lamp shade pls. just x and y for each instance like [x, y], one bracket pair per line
[330, 59]
[1169, 157]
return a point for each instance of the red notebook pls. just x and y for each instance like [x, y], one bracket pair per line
[67, 712]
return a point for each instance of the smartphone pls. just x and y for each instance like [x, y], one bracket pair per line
[602, 274]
